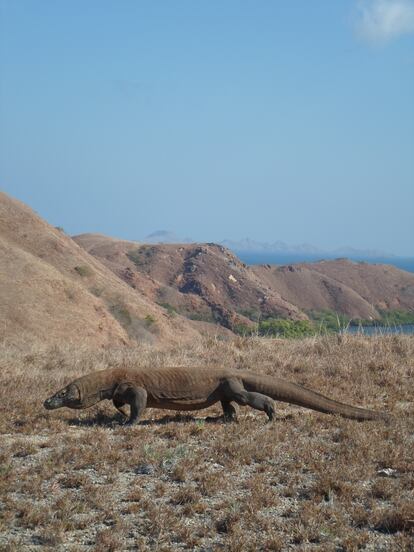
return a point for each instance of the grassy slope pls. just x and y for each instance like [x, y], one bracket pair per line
[79, 481]
[52, 289]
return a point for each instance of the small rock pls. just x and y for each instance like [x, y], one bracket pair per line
[144, 469]
[387, 472]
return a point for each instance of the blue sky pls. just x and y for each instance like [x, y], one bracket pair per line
[276, 120]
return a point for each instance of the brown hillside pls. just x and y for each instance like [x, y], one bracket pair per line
[202, 281]
[52, 289]
[311, 290]
[356, 289]
[384, 286]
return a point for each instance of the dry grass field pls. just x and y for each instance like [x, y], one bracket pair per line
[79, 480]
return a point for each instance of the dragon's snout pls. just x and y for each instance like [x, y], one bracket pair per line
[47, 404]
[52, 403]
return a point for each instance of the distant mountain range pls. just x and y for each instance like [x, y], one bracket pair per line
[165, 236]
[247, 245]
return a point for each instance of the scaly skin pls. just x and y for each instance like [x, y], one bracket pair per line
[194, 389]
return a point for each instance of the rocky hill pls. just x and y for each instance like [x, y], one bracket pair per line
[208, 282]
[201, 281]
[52, 290]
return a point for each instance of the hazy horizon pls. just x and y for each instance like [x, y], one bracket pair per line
[168, 236]
[287, 122]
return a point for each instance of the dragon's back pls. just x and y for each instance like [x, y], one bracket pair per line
[179, 383]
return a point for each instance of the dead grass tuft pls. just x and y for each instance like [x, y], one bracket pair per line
[107, 541]
[393, 520]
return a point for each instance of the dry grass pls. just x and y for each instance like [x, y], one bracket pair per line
[80, 481]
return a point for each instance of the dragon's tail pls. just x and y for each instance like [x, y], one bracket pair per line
[284, 391]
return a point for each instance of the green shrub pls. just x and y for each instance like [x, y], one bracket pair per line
[245, 330]
[97, 291]
[172, 311]
[122, 314]
[286, 328]
[396, 317]
[140, 256]
[329, 321]
[83, 270]
[149, 320]
[251, 314]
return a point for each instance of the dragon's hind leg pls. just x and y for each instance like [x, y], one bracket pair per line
[233, 390]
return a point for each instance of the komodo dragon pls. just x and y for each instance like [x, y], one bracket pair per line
[194, 389]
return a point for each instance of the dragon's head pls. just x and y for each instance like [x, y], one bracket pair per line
[81, 393]
[69, 396]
